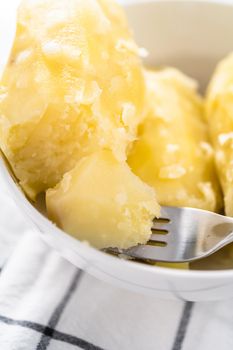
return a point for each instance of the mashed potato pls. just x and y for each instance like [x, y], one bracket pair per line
[73, 85]
[172, 152]
[72, 97]
[219, 111]
[103, 202]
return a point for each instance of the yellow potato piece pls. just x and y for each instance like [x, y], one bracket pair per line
[73, 85]
[219, 112]
[172, 152]
[103, 202]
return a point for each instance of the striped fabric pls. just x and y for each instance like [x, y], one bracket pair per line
[48, 304]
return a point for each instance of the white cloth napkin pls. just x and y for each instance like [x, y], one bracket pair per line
[48, 304]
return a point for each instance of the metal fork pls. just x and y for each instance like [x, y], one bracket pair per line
[180, 235]
[183, 235]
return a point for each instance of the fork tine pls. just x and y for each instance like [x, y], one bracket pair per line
[160, 233]
[161, 226]
[148, 252]
[188, 235]
[159, 237]
[170, 212]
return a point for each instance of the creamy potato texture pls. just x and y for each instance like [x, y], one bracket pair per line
[173, 153]
[106, 140]
[73, 85]
[219, 112]
[103, 202]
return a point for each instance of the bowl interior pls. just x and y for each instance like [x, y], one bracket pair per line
[190, 35]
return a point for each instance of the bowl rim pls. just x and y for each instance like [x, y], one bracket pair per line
[81, 247]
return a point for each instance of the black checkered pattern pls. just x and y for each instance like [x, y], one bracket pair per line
[49, 333]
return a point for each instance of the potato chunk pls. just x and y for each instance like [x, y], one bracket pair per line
[73, 85]
[172, 152]
[103, 202]
[219, 111]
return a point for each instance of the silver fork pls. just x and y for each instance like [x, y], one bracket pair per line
[180, 235]
[183, 235]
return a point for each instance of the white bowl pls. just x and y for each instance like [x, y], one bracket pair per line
[192, 35]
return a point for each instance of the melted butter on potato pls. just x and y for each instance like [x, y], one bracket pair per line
[103, 202]
[172, 152]
[219, 112]
[73, 85]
